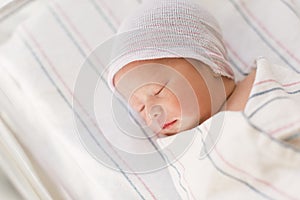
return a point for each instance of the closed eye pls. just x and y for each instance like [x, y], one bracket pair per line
[160, 90]
[142, 108]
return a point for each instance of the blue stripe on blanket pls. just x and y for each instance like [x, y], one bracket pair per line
[251, 187]
[73, 40]
[69, 34]
[265, 104]
[264, 39]
[271, 90]
[180, 177]
[296, 12]
[280, 142]
[30, 49]
[84, 55]
[233, 63]
[99, 10]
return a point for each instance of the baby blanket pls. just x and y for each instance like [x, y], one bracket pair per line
[39, 66]
[256, 153]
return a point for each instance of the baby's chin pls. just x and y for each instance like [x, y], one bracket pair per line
[164, 133]
[169, 134]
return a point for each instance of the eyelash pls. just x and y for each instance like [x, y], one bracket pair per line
[142, 108]
[161, 89]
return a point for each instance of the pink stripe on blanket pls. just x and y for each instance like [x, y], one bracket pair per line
[229, 47]
[72, 26]
[183, 170]
[274, 132]
[272, 80]
[264, 182]
[43, 53]
[78, 33]
[264, 28]
[109, 11]
[75, 30]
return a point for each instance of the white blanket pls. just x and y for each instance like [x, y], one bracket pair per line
[256, 153]
[39, 66]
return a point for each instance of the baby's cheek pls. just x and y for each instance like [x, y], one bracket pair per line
[174, 103]
[188, 106]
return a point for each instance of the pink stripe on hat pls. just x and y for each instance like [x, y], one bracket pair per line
[169, 29]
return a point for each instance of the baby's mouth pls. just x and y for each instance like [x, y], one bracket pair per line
[169, 124]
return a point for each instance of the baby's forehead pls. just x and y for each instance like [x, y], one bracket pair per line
[145, 71]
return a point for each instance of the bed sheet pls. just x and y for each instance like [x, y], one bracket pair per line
[43, 58]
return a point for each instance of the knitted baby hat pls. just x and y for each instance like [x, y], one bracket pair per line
[170, 29]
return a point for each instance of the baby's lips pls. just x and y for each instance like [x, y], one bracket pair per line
[169, 124]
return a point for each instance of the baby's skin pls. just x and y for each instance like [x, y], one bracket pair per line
[173, 95]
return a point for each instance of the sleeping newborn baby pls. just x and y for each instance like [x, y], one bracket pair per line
[172, 67]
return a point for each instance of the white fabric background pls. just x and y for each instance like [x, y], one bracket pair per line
[57, 166]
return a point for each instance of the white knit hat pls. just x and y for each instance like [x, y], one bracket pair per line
[169, 29]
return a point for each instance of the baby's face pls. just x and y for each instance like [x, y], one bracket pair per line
[169, 94]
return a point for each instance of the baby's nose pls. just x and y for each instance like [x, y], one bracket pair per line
[155, 117]
[155, 112]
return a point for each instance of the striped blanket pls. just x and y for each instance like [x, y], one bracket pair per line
[256, 153]
[254, 158]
